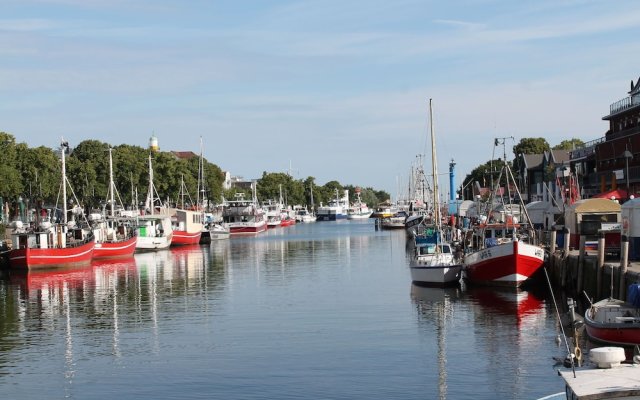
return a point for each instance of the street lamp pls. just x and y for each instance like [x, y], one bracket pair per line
[627, 155]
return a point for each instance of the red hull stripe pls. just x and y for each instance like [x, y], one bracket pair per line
[27, 257]
[619, 336]
[183, 238]
[115, 249]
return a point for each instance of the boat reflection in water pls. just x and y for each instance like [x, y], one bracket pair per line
[511, 323]
[435, 304]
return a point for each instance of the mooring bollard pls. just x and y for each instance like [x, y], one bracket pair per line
[567, 239]
[624, 261]
[600, 265]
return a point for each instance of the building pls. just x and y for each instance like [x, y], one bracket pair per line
[613, 162]
[539, 175]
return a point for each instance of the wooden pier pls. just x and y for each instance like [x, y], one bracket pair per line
[578, 270]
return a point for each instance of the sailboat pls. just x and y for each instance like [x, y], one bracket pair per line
[154, 230]
[434, 261]
[115, 236]
[51, 243]
[211, 229]
[503, 251]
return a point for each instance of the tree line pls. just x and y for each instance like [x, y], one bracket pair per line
[34, 174]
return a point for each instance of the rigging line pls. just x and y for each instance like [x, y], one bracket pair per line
[553, 297]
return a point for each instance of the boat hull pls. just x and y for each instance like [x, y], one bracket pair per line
[613, 322]
[359, 216]
[246, 229]
[119, 249]
[34, 258]
[507, 264]
[436, 275]
[183, 238]
[330, 217]
[154, 243]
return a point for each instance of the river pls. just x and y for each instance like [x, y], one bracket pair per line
[312, 311]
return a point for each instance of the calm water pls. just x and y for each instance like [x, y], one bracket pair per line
[317, 311]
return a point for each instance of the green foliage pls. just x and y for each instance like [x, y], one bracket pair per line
[569, 144]
[35, 174]
[531, 146]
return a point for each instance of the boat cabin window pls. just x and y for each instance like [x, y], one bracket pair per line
[488, 233]
[499, 233]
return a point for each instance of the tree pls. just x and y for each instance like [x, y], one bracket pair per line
[531, 146]
[569, 144]
[12, 185]
[482, 174]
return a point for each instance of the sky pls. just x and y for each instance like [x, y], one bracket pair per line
[333, 89]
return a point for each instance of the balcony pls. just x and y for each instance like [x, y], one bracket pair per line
[624, 104]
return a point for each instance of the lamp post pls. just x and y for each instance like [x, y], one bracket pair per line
[627, 155]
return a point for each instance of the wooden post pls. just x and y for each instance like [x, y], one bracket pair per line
[583, 239]
[600, 265]
[565, 256]
[552, 245]
[624, 261]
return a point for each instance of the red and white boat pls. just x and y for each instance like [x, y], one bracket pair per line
[114, 240]
[187, 227]
[34, 250]
[115, 235]
[43, 244]
[244, 217]
[503, 252]
[273, 214]
[614, 322]
[502, 259]
[186, 223]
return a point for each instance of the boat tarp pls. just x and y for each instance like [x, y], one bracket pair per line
[594, 206]
[633, 294]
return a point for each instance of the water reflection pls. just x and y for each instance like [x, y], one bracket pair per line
[512, 325]
[434, 306]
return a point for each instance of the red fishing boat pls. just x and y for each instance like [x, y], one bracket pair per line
[186, 223]
[115, 235]
[43, 244]
[501, 259]
[614, 322]
[244, 217]
[118, 247]
[28, 254]
[503, 252]
[187, 227]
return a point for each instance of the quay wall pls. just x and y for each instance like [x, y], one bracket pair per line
[576, 271]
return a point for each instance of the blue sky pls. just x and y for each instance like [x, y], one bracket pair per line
[337, 90]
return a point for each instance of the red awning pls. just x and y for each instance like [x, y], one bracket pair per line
[618, 194]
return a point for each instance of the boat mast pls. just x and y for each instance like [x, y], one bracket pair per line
[182, 191]
[111, 184]
[434, 168]
[201, 189]
[64, 146]
[150, 198]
